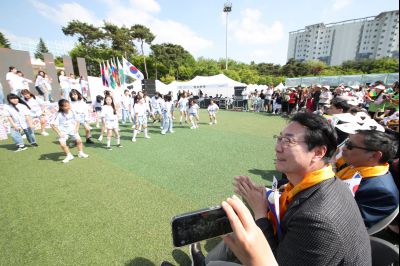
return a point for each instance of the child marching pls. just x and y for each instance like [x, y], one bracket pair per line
[183, 106]
[194, 114]
[212, 112]
[80, 108]
[110, 121]
[18, 114]
[66, 124]
[167, 110]
[37, 108]
[140, 117]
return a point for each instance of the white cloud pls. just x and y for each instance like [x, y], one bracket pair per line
[340, 4]
[66, 12]
[149, 5]
[251, 30]
[166, 31]
[136, 12]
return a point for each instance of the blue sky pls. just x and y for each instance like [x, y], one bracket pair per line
[258, 29]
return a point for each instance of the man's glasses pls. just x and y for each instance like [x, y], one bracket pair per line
[285, 141]
[350, 146]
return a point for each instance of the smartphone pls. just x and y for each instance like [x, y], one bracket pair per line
[199, 225]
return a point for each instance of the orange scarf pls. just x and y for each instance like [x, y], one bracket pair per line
[365, 171]
[309, 180]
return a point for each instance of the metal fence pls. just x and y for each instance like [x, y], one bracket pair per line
[349, 80]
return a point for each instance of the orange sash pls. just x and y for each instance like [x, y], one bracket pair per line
[365, 171]
[309, 180]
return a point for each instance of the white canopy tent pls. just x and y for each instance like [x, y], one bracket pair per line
[212, 85]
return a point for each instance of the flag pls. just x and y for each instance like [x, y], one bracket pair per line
[354, 182]
[273, 203]
[115, 72]
[110, 74]
[107, 77]
[131, 70]
[103, 76]
[121, 73]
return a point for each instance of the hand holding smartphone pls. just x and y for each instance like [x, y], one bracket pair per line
[199, 225]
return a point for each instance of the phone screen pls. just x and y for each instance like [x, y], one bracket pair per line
[200, 225]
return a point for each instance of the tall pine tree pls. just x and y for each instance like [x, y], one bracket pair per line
[4, 43]
[41, 49]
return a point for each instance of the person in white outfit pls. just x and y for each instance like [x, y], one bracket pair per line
[110, 121]
[37, 109]
[66, 124]
[212, 112]
[140, 117]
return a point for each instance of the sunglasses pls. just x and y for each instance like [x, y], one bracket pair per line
[350, 147]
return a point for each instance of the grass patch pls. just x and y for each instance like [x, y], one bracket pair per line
[115, 207]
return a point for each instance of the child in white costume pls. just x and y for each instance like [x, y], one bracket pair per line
[167, 110]
[37, 108]
[66, 124]
[18, 115]
[212, 112]
[80, 108]
[110, 121]
[194, 114]
[183, 106]
[140, 114]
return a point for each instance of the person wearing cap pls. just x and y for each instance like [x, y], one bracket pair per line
[368, 152]
[378, 101]
[325, 97]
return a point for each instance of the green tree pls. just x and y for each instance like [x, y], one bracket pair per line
[233, 74]
[172, 56]
[58, 61]
[88, 34]
[4, 43]
[168, 79]
[41, 49]
[249, 76]
[120, 39]
[143, 35]
[315, 67]
[206, 67]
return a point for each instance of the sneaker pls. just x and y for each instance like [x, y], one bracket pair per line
[198, 258]
[162, 132]
[89, 141]
[147, 137]
[44, 133]
[34, 145]
[171, 131]
[133, 139]
[68, 158]
[192, 127]
[82, 155]
[119, 146]
[215, 122]
[210, 123]
[109, 148]
[100, 138]
[21, 148]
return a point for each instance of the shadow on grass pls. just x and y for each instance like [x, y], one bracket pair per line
[181, 257]
[266, 174]
[10, 147]
[55, 156]
[139, 262]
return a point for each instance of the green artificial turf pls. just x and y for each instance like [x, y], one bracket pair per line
[115, 207]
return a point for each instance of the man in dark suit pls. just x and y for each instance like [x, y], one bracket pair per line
[320, 223]
[368, 153]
